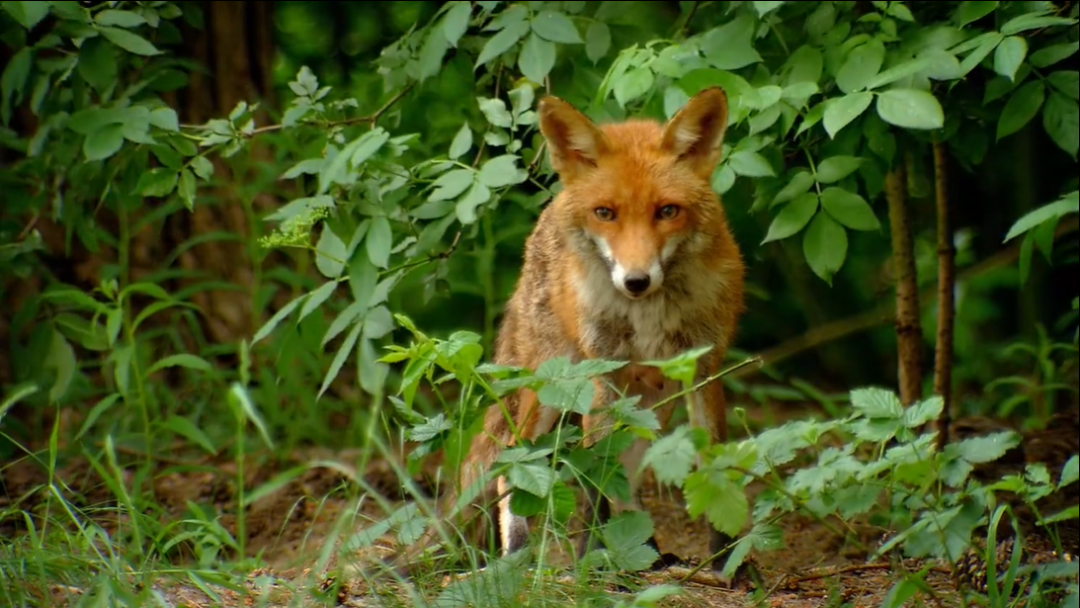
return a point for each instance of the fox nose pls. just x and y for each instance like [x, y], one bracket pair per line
[636, 283]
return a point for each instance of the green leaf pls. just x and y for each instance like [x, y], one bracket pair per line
[501, 42]
[188, 430]
[750, 164]
[792, 218]
[671, 457]
[1070, 473]
[202, 167]
[764, 8]
[456, 21]
[330, 253]
[860, 67]
[625, 536]
[536, 479]
[119, 18]
[103, 142]
[911, 109]
[836, 168]
[165, 118]
[130, 42]
[983, 46]
[633, 84]
[840, 111]
[987, 448]
[1052, 54]
[1033, 21]
[451, 184]
[348, 347]
[849, 209]
[502, 171]
[379, 241]
[28, 14]
[973, 11]
[462, 141]
[495, 112]
[182, 360]
[466, 205]
[186, 188]
[61, 358]
[825, 245]
[1068, 82]
[1021, 108]
[536, 59]
[432, 54]
[597, 41]
[731, 46]
[1061, 119]
[1070, 203]
[556, 27]
[278, 317]
[877, 403]
[97, 63]
[14, 80]
[722, 501]
[799, 183]
[317, 299]
[1009, 55]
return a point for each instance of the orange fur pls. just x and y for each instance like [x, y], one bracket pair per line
[639, 281]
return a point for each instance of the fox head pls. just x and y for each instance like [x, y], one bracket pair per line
[638, 193]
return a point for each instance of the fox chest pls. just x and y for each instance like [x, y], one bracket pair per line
[636, 331]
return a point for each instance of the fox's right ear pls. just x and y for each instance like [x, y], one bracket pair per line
[574, 142]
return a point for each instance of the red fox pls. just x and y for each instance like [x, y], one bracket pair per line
[633, 260]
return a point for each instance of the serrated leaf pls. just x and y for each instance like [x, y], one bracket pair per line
[841, 111]
[556, 27]
[792, 218]
[849, 209]
[988, 448]
[597, 41]
[1022, 106]
[910, 109]
[1009, 55]
[129, 41]
[825, 246]
[836, 168]
[877, 403]
[536, 479]
[671, 457]
[717, 497]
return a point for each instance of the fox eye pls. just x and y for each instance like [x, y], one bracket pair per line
[604, 214]
[667, 212]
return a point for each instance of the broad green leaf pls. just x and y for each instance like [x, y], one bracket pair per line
[825, 245]
[451, 184]
[633, 84]
[330, 253]
[28, 14]
[860, 67]
[1009, 55]
[671, 457]
[379, 241]
[465, 209]
[119, 18]
[130, 42]
[186, 189]
[165, 118]
[1068, 82]
[1033, 21]
[1052, 54]
[502, 171]
[495, 112]
[597, 41]
[536, 479]
[764, 8]
[432, 53]
[1061, 119]
[536, 59]
[159, 181]
[750, 164]
[456, 21]
[731, 46]
[911, 109]
[722, 502]
[1070, 203]
[625, 536]
[462, 141]
[836, 168]
[839, 112]
[973, 11]
[792, 218]
[104, 142]
[849, 209]
[97, 63]
[877, 403]
[987, 448]
[13, 82]
[202, 167]
[983, 45]
[1022, 106]
[556, 27]
[501, 42]
[799, 183]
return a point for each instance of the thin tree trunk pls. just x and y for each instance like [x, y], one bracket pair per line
[946, 309]
[908, 329]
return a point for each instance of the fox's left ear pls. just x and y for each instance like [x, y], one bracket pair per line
[696, 132]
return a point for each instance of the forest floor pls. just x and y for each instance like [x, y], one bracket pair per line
[288, 531]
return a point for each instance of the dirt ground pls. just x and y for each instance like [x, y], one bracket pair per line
[288, 528]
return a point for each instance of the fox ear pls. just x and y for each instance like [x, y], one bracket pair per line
[696, 132]
[574, 142]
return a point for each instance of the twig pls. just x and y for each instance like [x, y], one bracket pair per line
[946, 309]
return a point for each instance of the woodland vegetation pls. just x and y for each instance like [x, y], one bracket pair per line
[253, 257]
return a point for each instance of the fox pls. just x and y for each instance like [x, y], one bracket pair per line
[633, 260]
